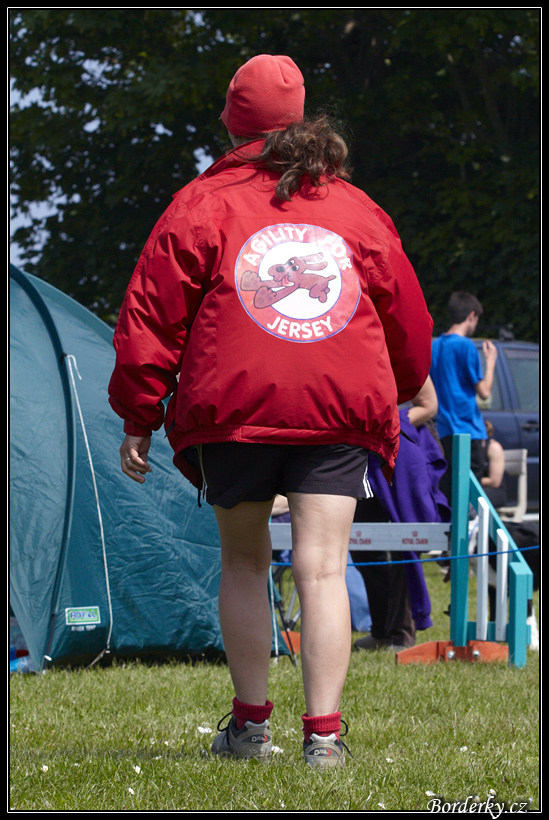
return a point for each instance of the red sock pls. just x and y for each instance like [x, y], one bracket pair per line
[322, 725]
[247, 711]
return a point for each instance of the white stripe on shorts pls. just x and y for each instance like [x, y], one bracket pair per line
[366, 484]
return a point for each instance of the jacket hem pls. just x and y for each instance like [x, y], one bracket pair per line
[253, 435]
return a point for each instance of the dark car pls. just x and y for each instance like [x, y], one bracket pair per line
[513, 406]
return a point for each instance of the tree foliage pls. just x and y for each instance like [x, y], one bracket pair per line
[441, 107]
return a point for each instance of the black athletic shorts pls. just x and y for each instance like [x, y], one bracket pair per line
[235, 472]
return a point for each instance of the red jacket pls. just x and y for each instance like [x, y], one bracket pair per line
[269, 321]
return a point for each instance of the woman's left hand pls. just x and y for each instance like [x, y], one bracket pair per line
[133, 457]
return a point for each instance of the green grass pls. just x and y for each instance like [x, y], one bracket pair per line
[136, 737]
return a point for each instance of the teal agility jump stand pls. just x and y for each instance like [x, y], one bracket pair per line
[480, 640]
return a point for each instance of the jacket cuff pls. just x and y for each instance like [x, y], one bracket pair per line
[132, 429]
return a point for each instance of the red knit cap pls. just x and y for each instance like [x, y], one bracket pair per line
[266, 94]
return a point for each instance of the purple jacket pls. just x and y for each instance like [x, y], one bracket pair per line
[414, 496]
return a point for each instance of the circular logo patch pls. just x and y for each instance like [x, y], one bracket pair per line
[297, 282]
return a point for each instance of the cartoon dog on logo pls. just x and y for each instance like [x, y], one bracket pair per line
[289, 276]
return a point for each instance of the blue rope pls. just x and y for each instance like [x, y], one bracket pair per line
[423, 560]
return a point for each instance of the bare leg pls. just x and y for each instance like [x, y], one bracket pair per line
[321, 528]
[244, 611]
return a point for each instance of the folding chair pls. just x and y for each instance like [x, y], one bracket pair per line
[515, 465]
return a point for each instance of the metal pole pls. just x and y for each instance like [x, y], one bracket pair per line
[482, 570]
[501, 586]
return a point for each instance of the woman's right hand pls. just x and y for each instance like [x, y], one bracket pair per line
[133, 457]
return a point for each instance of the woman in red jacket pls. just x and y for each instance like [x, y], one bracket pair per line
[273, 302]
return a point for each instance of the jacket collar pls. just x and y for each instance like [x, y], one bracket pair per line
[234, 158]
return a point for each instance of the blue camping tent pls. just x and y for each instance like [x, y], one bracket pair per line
[96, 560]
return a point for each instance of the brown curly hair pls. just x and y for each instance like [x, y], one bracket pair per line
[309, 149]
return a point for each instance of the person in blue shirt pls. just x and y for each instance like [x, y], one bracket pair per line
[456, 372]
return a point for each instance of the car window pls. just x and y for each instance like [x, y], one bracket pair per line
[493, 402]
[524, 367]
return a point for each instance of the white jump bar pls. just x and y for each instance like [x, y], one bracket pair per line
[392, 537]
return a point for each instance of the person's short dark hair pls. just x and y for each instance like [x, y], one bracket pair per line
[461, 304]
